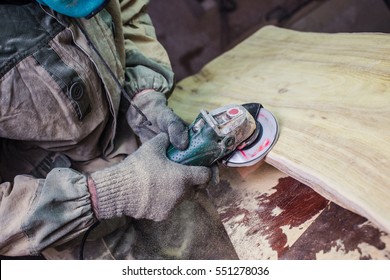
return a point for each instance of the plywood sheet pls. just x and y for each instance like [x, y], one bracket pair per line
[331, 95]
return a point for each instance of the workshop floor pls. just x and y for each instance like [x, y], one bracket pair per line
[194, 32]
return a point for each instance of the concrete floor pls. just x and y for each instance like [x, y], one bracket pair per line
[196, 31]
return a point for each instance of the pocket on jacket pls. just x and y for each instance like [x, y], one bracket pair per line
[43, 99]
[72, 86]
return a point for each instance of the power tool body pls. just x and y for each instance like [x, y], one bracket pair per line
[236, 135]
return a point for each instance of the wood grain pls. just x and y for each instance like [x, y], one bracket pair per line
[331, 95]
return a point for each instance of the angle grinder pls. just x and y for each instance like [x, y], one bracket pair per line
[236, 135]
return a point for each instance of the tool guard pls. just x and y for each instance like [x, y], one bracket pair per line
[262, 141]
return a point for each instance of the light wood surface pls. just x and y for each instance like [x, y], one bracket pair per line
[331, 96]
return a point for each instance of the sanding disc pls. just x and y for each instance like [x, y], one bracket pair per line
[269, 133]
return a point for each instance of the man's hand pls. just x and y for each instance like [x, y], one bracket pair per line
[154, 106]
[144, 185]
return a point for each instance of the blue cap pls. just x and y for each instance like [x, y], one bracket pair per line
[75, 8]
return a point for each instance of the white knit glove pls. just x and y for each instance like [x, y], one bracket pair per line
[154, 105]
[144, 185]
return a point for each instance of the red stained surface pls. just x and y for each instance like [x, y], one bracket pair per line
[292, 204]
[336, 228]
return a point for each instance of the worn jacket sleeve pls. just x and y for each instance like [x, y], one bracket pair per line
[147, 62]
[37, 213]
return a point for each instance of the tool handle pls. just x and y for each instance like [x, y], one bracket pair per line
[202, 150]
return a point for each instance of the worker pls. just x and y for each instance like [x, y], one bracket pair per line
[84, 128]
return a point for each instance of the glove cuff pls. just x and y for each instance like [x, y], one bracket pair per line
[119, 192]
